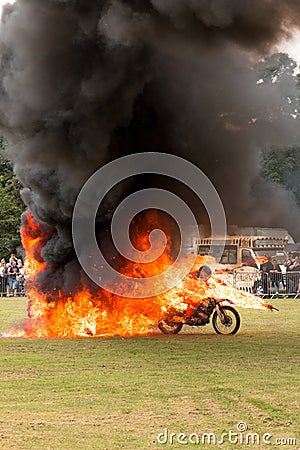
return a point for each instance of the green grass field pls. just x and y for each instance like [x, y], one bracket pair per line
[120, 393]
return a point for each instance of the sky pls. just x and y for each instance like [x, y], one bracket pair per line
[292, 47]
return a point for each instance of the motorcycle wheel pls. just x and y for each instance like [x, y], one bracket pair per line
[169, 328]
[230, 323]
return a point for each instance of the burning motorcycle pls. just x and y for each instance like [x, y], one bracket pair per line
[225, 318]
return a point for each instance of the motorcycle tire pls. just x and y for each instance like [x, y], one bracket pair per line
[169, 328]
[232, 321]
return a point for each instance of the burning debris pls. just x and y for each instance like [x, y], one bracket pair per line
[83, 82]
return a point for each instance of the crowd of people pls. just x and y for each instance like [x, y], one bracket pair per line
[272, 275]
[12, 277]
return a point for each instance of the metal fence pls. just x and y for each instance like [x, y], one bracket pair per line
[262, 284]
[12, 287]
[269, 285]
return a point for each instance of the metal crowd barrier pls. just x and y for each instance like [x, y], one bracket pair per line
[3, 285]
[259, 283]
[5, 291]
[274, 284]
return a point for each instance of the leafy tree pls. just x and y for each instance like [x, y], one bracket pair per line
[282, 166]
[298, 80]
[276, 67]
[11, 206]
[277, 73]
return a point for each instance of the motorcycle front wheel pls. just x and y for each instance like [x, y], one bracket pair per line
[228, 323]
[169, 327]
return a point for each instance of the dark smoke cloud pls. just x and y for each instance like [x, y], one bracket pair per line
[85, 81]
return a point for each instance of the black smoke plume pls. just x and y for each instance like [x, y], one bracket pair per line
[86, 81]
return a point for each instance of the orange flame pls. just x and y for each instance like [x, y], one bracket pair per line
[105, 314]
[261, 260]
[33, 238]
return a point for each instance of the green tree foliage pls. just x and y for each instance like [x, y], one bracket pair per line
[11, 206]
[282, 166]
[276, 73]
[298, 80]
[276, 67]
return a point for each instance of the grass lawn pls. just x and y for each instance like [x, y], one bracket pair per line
[119, 393]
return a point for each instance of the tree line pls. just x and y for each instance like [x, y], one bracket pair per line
[11, 206]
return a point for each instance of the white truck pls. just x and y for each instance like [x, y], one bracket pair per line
[243, 254]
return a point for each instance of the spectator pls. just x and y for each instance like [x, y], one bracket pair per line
[12, 258]
[3, 278]
[21, 277]
[296, 264]
[265, 269]
[289, 261]
[275, 275]
[12, 271]
[293, 276]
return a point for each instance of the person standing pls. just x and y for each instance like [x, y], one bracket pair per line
[3, 278]
[12, 258]
[12, 272]
[21, 278]
[289, 277]
[289, 261]
[275, 276]
[294, 272]
[265, 269]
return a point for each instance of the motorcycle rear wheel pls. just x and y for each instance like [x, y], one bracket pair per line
[169, 328]
[230, 323]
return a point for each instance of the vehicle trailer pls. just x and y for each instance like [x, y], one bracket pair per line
[241, 251]
[242, 256]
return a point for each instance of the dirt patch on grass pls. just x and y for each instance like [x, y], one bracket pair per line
[257, 412]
